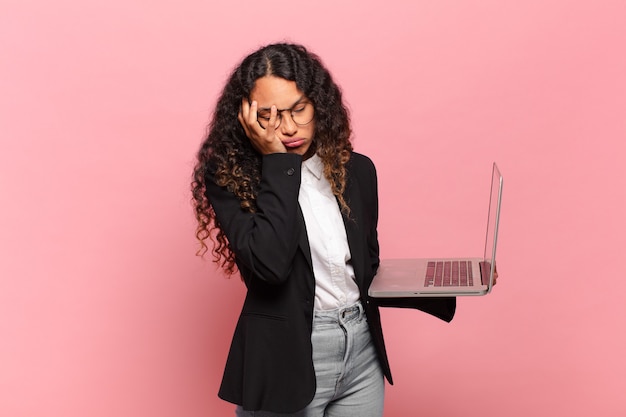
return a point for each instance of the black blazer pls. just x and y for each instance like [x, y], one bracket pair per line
[269, 365]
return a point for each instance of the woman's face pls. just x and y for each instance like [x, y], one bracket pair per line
[291, 103]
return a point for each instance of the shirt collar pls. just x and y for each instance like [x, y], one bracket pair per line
[314, 165]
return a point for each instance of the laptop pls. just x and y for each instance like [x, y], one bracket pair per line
[445, 277]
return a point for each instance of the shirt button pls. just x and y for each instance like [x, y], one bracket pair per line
[290, 171]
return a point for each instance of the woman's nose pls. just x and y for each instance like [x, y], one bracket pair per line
[287, 125]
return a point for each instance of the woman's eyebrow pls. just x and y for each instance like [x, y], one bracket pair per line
[290, 108]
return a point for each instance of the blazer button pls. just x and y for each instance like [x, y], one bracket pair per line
[290, 171]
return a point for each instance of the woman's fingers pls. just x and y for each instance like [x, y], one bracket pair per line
[263, 140]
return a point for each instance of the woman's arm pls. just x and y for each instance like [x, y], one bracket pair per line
[265, 241]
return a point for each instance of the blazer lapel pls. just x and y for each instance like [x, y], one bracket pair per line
[304, 239]
[355, 238]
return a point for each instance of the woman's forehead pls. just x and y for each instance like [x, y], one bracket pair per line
[271, 90]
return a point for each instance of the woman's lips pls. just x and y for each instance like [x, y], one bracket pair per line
[293, 143]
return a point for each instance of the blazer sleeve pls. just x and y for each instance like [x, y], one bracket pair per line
[264, 242]
[440, 307]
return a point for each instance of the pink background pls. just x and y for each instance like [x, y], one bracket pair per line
[105, 310]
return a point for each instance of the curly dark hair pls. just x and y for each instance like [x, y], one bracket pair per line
[227, 154]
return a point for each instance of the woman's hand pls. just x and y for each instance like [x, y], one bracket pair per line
[264, 141]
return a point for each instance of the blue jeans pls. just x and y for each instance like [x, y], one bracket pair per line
[349, 378]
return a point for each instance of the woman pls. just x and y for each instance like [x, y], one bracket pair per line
[295, 211]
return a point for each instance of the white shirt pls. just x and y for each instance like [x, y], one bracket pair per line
[334, 276]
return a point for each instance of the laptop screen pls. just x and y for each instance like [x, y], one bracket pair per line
[495, 200]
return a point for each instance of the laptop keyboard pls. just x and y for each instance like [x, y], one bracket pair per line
[449, 274]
